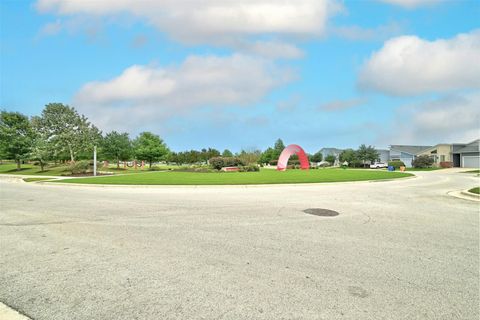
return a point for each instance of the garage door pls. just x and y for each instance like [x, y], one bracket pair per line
[471, 161]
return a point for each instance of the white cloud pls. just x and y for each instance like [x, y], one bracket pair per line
[454, 118]
[210, 21]
[145, 94]
[411, 3]
[409, 65]
[272, 49]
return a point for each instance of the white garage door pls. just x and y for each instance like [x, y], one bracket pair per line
[471, 161]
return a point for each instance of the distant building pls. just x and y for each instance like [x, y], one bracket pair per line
[405, 153]
[384, 155]
[466, 155]
[331, 151]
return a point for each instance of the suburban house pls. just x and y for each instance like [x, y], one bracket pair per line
[466, 155]
[331, 151]
[405, 153]
[384, 155]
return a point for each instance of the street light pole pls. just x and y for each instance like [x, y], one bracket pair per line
[95, 161]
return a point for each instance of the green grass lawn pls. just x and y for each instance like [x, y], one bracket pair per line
[29, 169]
[475, 190]
[472, 171]
[424, 169]
[234, 178]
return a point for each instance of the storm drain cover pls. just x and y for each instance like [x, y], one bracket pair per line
[321, 212]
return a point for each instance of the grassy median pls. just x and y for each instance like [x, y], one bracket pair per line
[265, 176]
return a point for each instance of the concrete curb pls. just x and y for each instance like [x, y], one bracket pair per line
[465, 195]
[7, 313]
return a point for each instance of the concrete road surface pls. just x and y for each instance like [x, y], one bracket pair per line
[400, 249]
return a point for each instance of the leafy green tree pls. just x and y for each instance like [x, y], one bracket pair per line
[423, 161]
[279, 146]
[42, 150]
[330, 159]
[16, 136]
[250, 156]
[117, 146]
[348, 155]
[317, 157]
[150, 147]
[365, 154]
[269, 155]
[67, 130]
[227, 153]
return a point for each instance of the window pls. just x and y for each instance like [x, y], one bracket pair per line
[442, 158]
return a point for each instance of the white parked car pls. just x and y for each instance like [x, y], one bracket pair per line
[378, 165]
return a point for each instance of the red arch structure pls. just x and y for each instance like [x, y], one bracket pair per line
[287, 152]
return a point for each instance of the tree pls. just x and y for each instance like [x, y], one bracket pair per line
[67, 130]
[365, 153]
[350, 156]
[117, 146]
[268, 155]
[16, 136]
[149, 147]
[227, 153]
[422, 161]
[317, 157]
[42, 150]
[250, 156]
[279, 146]
[330, 159]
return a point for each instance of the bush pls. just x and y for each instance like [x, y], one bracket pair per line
[273, 162]
[396, 163]
[250, 168]
[79, 167]
[446, 164]
[422, 162]
[221, 162]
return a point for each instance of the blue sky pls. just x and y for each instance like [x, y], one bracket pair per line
[240, 74]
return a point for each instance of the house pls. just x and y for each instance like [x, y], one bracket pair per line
[441, 152]
[405, 153]
[331, 151]
[383, 155]
[466, 155]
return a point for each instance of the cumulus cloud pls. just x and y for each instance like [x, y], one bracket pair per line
[455, 118]
[148, 93]
[408, 65]
[411, 3]
[210, 20]
[338, 105]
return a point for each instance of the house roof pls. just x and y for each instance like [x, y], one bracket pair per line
[473, 146]
[409, 149]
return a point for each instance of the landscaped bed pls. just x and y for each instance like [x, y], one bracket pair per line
[238, 178]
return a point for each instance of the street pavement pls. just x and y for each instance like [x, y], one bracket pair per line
[401, 249]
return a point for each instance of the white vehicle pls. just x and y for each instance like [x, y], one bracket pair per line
[378, 165]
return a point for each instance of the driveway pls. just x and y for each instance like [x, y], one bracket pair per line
[400, 249]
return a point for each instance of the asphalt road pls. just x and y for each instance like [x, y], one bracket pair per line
[400, 249]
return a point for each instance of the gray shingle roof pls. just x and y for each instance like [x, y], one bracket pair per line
[409, 149]
[473, 146]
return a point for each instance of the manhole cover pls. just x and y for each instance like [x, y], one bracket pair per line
[321, 212]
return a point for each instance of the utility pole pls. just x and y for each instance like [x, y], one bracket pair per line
[95, 161]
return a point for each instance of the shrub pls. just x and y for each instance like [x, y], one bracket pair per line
[82, 166]
[273, 162]
[249, 168]
[396, 163]
[422, 162]
[220, 162]
[446, 164]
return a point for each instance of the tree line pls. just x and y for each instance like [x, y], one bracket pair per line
[61, 134]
